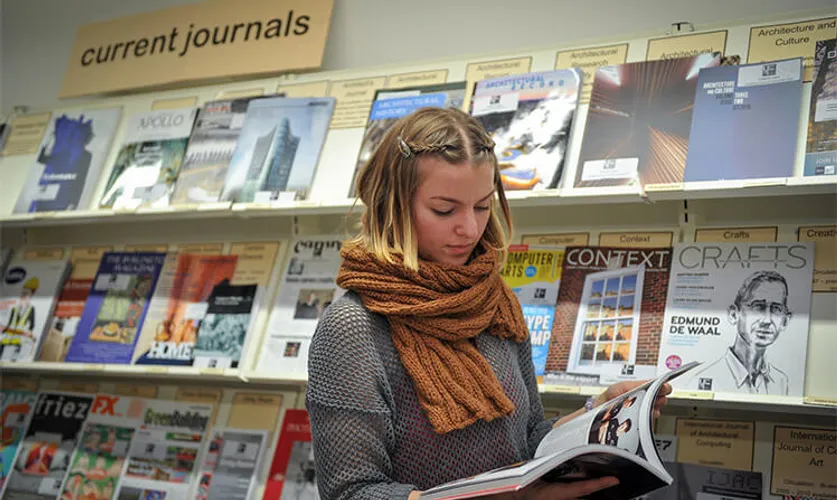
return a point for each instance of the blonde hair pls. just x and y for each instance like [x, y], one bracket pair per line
[386, 184]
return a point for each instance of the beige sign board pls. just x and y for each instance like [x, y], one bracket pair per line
[207, 41]
[85, 261]
[18, 384]
[150, 247]
[825, 255]
[43, 253]
[255, 262]
[786, 41]
[417, 78]
[484, 70]
[174, 103]
[636, 240]
[354, 100]
[588, 60]
[804, 462]
[136, 390]
[82, 387]
[737, 235]
[255, 410]
[208, 396]
[673, 47]
[26, 134]
[309, 89]
[240, 93]
[557, 239]
[715, 443]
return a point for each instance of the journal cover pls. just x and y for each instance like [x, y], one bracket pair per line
[821, 155]
[638, 122]
[292, 473]
[278, 149]
[745, 122]
[609, 316]
[742, 309]
[28, 295]
[231, 463]
[69, 161]
[209, 152]
[16, 407]
[116, 307]
[223, 330]
[530, 118]
[392, 104]
[148, 163]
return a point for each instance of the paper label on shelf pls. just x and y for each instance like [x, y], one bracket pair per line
[238, 94]
[96, 367]
[418, 78]
[218, 205]
[557, 239]
[70, 386]
[825, 255]
[690, 45]
[735, 234]
[354, 100]
[715, 443]
[211, 371]
[134, 390]
[814, 400]
[784, 41]
[255, 410]
[41, 254]
[156, 369]
[484, 70]
[804, 462]
[201, 248]
[26, 134]
[588, 60]
[174, 103]
[309, 89]
[769, 73]
[11, 383]
[636, 239]
[611, 168]
[141, 248]
[673, 186]
[561, 389]
[701, 395]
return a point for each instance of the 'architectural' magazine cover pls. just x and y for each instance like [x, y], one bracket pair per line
[209, 152]
[149, 160]
[69, 161]
[639, 121]
[821, 156]
[392, 104]
[278, 149]
[745, 122]
[534, 275]
[530, 118]
[115, 309]
[51, 437]
[609, 316]
[28, 294]
[742, 309]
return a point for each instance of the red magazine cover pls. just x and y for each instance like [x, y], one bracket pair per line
[292, 470]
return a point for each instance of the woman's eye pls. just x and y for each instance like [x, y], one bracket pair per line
[442, 213]
[481, 209]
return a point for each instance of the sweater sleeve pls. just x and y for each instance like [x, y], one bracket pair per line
[349, 401]
[538, 427]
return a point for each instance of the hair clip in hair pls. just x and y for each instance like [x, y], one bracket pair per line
[406, 152]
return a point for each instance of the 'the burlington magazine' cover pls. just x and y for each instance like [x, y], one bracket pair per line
[743, 310]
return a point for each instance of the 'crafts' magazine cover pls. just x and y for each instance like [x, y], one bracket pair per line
[278, 149]
[69, 161]
[639, 121]
[149, 161]
[530, 118]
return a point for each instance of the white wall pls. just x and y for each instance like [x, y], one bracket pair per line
[37, 34]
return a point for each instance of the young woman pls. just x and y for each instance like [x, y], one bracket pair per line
[422, 372]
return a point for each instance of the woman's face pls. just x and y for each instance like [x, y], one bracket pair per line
[451, 209]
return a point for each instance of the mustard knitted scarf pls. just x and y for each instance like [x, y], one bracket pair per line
[433, 315]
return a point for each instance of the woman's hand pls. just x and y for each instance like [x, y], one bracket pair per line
[616, 390]
[540, 490]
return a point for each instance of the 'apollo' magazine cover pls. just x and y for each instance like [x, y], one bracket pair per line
[742, 309]
[615, 439]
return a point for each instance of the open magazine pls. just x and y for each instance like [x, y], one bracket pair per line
[616, 439]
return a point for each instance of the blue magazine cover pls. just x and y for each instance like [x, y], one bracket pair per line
[745, 122]
[539, 320]
[116, 307]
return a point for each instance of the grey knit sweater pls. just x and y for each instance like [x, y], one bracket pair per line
[370, 437]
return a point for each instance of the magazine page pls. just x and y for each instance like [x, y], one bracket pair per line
[209, 151]
[162, 459]
[69, 161]
[742, 309]
[149, 160]
[534, 275]
[231, 461]
[28, 295]
[16, 407]
[611, 305]
[115, 309]
[292, 473]
[530, 118]
[175, 333]
[306, 289]
[96, 466]
[278, 149]
[84, 262]
[390, 105]
[50, 440]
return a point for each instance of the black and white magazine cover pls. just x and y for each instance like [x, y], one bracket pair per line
[223, 331]
[743, 310]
